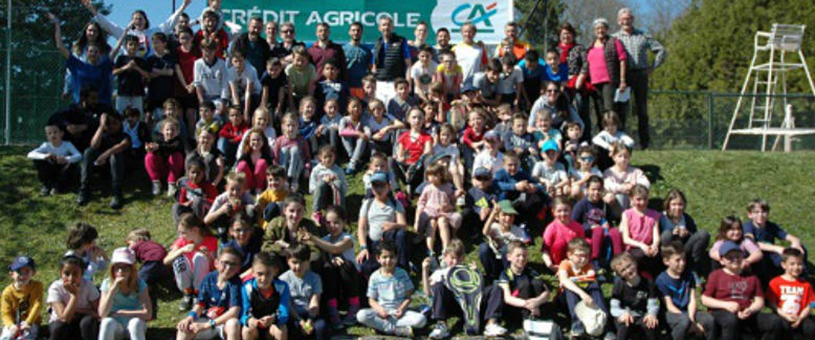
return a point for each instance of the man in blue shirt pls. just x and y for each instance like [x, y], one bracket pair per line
[357, 60]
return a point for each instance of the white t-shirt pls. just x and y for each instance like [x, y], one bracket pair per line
[212, 79]
[84, 302]
[511, 82]
[348, 255]
[423, 75]
[485, 160]
[554, 174]
[243, 79]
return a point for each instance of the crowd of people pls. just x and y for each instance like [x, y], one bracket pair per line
[455, 144]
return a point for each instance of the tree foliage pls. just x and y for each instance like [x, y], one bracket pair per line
[540, 29]
[710, 46]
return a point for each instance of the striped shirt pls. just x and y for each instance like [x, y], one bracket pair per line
[637, 45]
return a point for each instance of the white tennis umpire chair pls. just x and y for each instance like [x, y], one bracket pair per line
[770, 83]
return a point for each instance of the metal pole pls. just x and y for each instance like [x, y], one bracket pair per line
[8, 74]
[173, 7]
[710, 121]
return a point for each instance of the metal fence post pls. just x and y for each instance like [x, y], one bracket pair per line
[710, 121]
[8, 74]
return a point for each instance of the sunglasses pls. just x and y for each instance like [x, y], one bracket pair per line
[587, 159]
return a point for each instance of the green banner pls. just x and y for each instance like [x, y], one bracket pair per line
[489, 16]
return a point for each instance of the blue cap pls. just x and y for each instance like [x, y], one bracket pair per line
[379, 177]
[22, 261]
[467, 88]
[729, 246]
[482, 173]
[492, 136]
[549, 145]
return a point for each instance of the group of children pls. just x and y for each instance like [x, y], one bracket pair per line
[496, 148]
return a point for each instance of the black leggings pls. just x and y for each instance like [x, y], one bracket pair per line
[82, 327]
[343, 281]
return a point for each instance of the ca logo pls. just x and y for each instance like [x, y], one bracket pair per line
[477, 15]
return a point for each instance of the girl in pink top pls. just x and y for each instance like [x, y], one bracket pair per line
[620, 178]
[731, 230]
[557, 235]
[436, 207]
[640, 229]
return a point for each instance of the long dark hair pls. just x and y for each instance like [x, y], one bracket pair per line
[82, 43]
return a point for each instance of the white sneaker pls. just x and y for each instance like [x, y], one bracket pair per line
[460, 201]
[494, 329]
[404, 331]
[439, 331]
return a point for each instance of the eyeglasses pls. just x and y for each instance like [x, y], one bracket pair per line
[122, 269]
[287, 31]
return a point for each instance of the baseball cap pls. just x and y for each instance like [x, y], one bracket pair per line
[482, 173]
[507, 208]
[492, 136]
[379, 177]
[123, 255]
[729, 246]
[549, 145]
[20, 262]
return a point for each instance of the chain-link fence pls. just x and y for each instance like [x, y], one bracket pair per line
[678, 119]
[37, 79]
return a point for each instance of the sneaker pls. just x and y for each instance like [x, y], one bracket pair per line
[494, 329]
[156, 188]
[116, 202]
[54, 191]
[403, 331]
[295, 187]
[610, 336]
[578, 329]
[186, 303]
[460, 201]
[439, 331]
[349, 170]
[172, 189]
[82, 198]
[45, 191]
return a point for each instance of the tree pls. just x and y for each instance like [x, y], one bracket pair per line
[37, 71]
[541, 28]
[581, 14]
[711, 44]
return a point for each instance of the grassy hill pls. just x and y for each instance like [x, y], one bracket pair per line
[716, 184]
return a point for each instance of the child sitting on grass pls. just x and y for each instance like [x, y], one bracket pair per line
[21, 307]
[389, 295]
[735, 299]
[634, 303]
[444, 303]
[677, 287]
[577, 279]
[54, 160]
[791, 296]
[265, 300]
[305, 287]
[764, 232]
[219, 302]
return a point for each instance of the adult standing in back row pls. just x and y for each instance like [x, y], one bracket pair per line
[637, 44]
[391, 60]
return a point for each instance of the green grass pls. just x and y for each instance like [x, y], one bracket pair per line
[716, 184]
